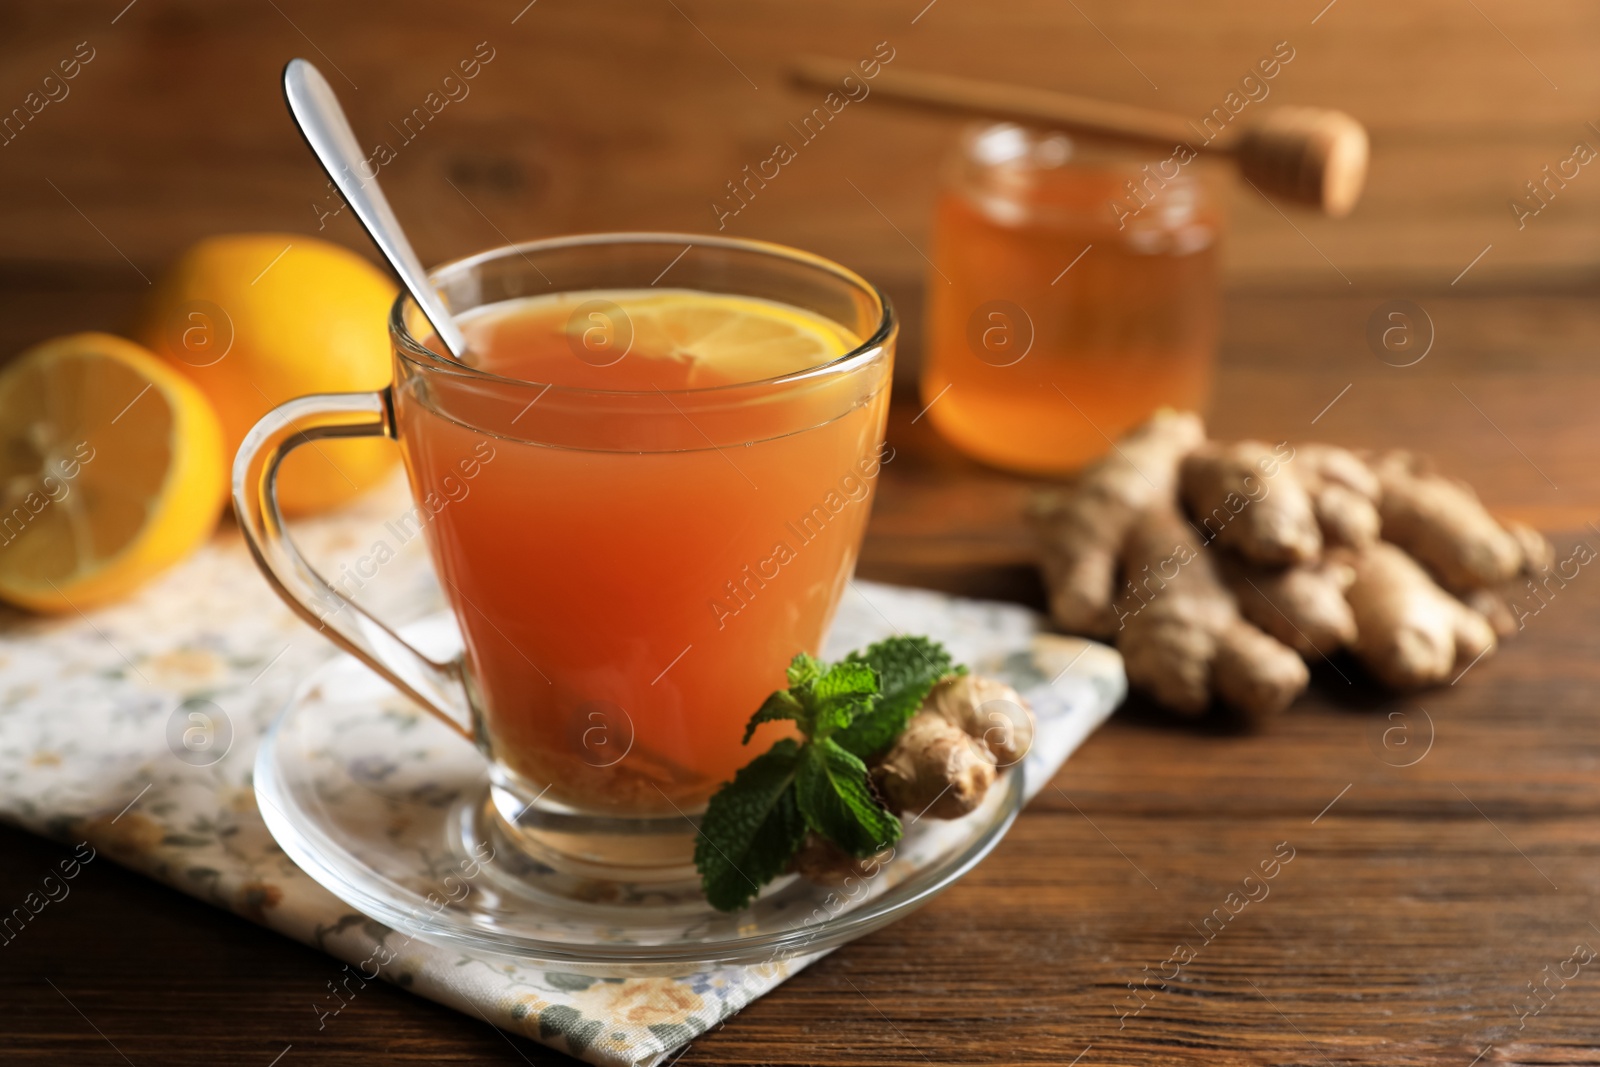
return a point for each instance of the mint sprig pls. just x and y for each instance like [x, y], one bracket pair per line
[906, 668]
[758, 825]
[848, 711]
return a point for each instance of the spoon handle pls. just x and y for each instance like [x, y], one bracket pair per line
[323, 124]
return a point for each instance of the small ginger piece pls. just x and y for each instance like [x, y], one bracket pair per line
[1410, 633]
[1495, 606]
[1503, 604]
[1538, 554]
[987, 710]
[1183, 639]
[1302, 606]
[934, 768]
[1255, 673]
[1244, 496]
[825, 863]
[968, 729]
[1081, 528]
[1441, 522]
[1344, 493]
[1347, 519]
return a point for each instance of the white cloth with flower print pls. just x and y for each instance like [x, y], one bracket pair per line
[97, 709]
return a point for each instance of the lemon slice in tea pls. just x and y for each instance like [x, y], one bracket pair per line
[717, 339]
[111, 469]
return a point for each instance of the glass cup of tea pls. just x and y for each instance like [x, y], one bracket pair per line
[644, 490]
[1073, 291]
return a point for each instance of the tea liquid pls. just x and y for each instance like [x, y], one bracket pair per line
[627, 607]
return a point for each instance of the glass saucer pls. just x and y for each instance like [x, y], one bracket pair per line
[389, 810]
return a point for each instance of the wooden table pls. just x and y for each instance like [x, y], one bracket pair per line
[1445, 846]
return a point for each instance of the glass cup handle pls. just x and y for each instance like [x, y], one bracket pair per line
[438, 687]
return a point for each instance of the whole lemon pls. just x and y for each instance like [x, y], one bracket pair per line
[257, 319]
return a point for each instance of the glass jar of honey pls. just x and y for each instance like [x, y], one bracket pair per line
[1073, 291]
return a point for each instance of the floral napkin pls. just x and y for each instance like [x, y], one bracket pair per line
[134, 729]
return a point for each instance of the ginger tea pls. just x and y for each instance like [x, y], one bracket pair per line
[636, 555]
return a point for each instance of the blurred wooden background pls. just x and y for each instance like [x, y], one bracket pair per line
[609, 115]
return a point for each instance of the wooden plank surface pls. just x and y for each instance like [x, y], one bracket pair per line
[1422, 899]
[1406, 928]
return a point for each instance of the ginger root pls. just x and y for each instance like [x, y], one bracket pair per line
[1244, 496]
[1290, 552]
[1538, 554]
[1278, 505]
[1409, 632]
[1304, 606]
[934, 768]
[1495, 607]
[1084, 527]
[1499, 603]
[1183, 639]
[947, 757]
[1441, 523]
[1344, 494]
[987, 709]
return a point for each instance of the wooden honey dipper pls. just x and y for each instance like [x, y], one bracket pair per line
[1313, 156]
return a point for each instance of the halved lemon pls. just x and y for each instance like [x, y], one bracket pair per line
[111, 470]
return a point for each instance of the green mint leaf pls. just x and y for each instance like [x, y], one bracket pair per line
[846, 679]
[803, 670]
[844, 691]
[751, 829]
[780, 705]
[907, 667]
[835, 798]
[836, 713]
